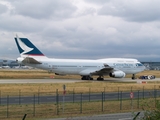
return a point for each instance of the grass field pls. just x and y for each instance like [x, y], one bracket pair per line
[44, 111]
[78, 87]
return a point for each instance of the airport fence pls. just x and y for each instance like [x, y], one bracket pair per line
[70, 103]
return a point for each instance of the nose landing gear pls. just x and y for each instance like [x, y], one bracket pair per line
[133, 77]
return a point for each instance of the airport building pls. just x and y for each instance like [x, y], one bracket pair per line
[151, 65]
[10, 63]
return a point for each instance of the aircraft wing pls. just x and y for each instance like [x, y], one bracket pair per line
[30, 60]
[104, 71]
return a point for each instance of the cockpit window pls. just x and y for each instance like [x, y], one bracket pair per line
[105, 65]
[139, 64]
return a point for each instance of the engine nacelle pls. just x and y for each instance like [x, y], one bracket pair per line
[117, 74]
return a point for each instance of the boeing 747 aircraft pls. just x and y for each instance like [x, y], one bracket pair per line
[114, 67]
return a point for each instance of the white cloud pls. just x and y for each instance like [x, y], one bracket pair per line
[3, 8]
[83, 29]
[40, 9]
[136, 10]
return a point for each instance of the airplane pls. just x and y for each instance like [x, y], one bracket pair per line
[30, 55]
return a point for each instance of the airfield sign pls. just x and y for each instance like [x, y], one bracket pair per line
[131, 95]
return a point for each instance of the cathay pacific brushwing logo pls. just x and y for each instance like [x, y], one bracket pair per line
[23, 46]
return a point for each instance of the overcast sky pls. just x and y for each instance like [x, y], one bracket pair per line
[80, 29]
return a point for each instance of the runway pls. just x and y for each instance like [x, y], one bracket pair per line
[12, 81]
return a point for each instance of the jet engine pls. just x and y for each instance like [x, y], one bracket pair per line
[117, 74]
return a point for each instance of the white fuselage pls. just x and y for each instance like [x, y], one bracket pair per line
[85, 67]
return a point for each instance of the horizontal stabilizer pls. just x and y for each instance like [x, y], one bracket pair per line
[30, 60]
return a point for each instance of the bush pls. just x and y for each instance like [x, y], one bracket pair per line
[152, 114]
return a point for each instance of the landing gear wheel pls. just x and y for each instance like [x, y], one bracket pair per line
[91, 78]
[100, 78]
[133, 77]
[86, 78]
[83, 78]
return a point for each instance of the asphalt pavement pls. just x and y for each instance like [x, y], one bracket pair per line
[116, 116]
[38, 98]
[20, 81]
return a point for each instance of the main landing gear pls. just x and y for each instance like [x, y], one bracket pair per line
[86, 78]
[100, 78]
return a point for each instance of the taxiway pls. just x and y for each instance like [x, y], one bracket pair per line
[12, 81]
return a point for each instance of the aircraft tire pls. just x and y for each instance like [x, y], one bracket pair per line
[86, 78]
[100, 79]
